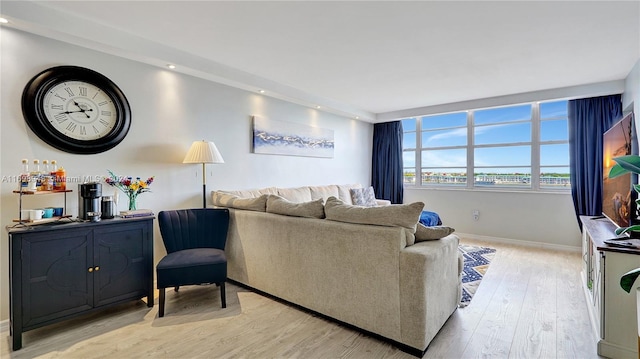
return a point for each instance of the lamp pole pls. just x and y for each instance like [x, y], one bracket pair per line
[204, 186]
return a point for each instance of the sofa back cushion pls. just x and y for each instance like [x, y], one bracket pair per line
[253, 193]
[297, 194]
[344, 192]
[424, 233]
[324, 192]
[224, 199]
[396, 215]
[311, 209]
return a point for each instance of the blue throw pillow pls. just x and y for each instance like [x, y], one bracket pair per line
[430, 219]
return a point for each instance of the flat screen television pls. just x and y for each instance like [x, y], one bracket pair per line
[618, 196]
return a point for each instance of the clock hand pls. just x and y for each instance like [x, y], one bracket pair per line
[83, 111]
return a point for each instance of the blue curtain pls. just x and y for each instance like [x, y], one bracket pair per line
[589, 119]
[386, 164]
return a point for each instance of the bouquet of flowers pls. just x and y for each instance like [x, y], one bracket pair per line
[129, 186]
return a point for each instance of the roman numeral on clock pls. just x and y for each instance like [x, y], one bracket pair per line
[69, 91]
[83, 91]
[71, 126]
[61, 117]
[56, 107]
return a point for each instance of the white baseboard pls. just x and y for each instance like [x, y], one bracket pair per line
[557, 247]
[4, 325]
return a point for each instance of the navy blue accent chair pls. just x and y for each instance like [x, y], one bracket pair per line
[194, 240]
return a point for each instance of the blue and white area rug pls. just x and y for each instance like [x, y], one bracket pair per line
[476, 263]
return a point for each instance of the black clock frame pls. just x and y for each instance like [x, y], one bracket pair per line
[33, 109]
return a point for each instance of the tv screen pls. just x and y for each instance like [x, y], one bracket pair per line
[618, 196]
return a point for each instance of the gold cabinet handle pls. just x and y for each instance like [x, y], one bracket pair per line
[97, 268]
[90, 270]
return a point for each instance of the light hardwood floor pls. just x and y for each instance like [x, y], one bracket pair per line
[530, 304]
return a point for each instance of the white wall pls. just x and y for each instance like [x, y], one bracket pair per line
[631, 96]
[170, 110]
[546, 219]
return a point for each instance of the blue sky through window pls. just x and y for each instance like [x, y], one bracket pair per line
[495, 126]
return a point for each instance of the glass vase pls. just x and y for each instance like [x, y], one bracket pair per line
[132, 202]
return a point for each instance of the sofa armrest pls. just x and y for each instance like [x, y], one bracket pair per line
[429, 288]
[383, 202]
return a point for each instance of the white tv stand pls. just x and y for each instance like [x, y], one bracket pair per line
[612, 310]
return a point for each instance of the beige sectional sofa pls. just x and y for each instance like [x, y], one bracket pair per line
[360, 274]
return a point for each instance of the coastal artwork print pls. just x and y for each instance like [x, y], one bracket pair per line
[291, 139]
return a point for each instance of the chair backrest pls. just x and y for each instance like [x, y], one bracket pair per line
[194, 228]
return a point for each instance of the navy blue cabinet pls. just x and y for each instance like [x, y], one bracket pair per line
[64, 270]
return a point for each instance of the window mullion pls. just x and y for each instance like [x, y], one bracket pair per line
[535, 146]
[418, 168]
[470, 151]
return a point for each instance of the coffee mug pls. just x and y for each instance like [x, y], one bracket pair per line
[47, 212]
[57, 211]
[24, 214]
[35, 214]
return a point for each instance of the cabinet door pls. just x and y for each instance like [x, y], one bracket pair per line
[55, 277]
[599, 258]
[122, 255]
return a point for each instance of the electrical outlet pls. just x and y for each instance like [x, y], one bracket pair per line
[475, 214]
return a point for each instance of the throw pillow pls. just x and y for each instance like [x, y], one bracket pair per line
[424, 233]
[363, 197]
[395, 215]
[223, 199]
[311, 209]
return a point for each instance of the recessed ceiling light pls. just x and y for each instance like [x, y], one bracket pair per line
[357, 117]
[317, 106]
[171, 66]
[261, 91]
[3, 20]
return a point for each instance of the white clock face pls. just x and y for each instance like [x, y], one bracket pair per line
[80, 110]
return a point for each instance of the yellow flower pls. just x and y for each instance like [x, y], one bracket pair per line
[134, 186]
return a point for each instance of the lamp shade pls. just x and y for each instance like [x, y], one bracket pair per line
[203, 152]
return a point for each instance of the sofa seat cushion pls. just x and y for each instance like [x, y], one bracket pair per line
[311, 209]
[397, 215]
[192, 266]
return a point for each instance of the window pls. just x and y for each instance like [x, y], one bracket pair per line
[499, 147]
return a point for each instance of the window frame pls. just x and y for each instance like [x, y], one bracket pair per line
[535, 144]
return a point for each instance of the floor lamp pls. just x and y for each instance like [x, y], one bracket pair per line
[203, 152]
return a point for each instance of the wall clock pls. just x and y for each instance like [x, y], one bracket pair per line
[76, 110]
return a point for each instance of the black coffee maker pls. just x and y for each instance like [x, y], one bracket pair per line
[89, 201]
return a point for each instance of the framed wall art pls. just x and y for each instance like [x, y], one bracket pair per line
[291, 139]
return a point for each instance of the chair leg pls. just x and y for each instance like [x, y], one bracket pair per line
[161, 310]
[223, 295]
